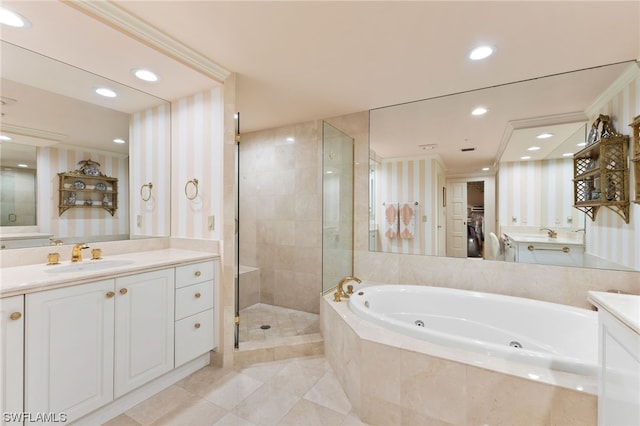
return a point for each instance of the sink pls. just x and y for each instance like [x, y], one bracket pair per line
[88, 266]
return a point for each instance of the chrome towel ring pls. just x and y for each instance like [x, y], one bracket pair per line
[149, 186]
[191, 195]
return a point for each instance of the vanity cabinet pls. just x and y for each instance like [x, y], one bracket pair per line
[11, 357]
[78, 190]
[91, 343]
[69, 349]
[635, 158]
[601, 177]
[194, 316]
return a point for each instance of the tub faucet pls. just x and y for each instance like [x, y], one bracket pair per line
[76, 252]
[550, 232]
[340, 293]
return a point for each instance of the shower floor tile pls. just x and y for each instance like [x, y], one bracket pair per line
[282, 322]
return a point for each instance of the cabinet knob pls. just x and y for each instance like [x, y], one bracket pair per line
[198, 273]
[110, 294]
[123, 291]
[197, 325]
[15, 316]
[198, 295]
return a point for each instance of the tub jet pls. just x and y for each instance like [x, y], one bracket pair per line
[419, 323]
[265, 326]
[515, 344]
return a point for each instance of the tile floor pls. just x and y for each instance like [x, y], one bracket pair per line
[284, 323]
[297, 391]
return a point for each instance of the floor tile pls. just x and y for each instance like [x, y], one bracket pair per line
[328, 393]
[234, 387]
[266, 406]
[311, 414]
[158, 405]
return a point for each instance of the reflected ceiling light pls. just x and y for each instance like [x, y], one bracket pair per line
[13, 19]
[23, 165]
[544, 135]
[481, 52]
[107, 93]
[479, 111]
[533, 148]
[581, 144]
[485, 169]
[290, 139]
[526, 157]
[568, 154]
[5, 138]
[118, 140]
[145, 75]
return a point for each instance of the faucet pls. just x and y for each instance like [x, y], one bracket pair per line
[340, 293]
[550, 232]
[53, 242]
[76, 252]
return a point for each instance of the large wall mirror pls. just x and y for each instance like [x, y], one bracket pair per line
[457, 175]
[52, 119]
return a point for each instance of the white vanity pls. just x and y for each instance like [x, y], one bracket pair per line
[99, 339]
[543, 249]
[619, 358]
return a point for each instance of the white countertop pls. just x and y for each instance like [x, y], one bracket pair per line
[30, 278]
[544, 239]
[625, 307]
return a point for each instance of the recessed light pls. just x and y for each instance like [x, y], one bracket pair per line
[533, 148]
[13, 19]
[485, 169]
[526, 157]
[581, 144]
[481, 52]
[5, 138]
[107, 93]
[544, 135]
[568, 154]
[118, 140]
[479, 111]
[290, 139]
[145, 75]
[23, 165]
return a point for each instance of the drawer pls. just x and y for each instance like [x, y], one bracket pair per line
[196, 273]
[194, 336]
[193, 299]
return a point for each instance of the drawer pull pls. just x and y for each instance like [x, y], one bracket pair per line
[198, 295]
[198, 273]
[110, 294]
[123, 291]
[197, 325]
[15, 316]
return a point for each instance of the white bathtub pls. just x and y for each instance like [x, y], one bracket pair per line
[557, 337]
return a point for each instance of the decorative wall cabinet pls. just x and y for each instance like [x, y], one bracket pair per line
[601, 174]
[87, 187]
[635, 156]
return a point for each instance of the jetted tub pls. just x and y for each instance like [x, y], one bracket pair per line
[545, 334]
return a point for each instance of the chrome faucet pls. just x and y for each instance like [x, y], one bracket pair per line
[550, 232]
[76, 252]
[340, 293]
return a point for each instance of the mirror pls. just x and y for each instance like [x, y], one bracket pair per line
[50, 110]
[443, 179]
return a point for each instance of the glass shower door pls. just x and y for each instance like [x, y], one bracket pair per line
[337, 213]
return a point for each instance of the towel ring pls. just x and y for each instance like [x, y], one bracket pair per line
[148, 186]
[194, 182]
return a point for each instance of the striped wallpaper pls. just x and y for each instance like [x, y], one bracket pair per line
[609, 236]
[196, 153]
[87, 223]
[150, 149]
[538, 193]
[408, 180]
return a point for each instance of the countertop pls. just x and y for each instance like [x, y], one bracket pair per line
[544, 239]
[31, 278]
[624, 307]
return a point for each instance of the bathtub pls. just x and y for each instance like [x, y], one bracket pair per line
[556, 337]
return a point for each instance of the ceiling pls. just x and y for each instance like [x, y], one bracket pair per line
[303, 60]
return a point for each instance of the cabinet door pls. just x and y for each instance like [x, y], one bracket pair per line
[69, 349]
[11, 357]
[144, 328]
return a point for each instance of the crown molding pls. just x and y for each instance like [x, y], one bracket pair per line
[616, 87]
[44, 137]
[127, 23]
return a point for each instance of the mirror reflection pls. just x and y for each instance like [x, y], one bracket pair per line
[51, 112]
[484, 173]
